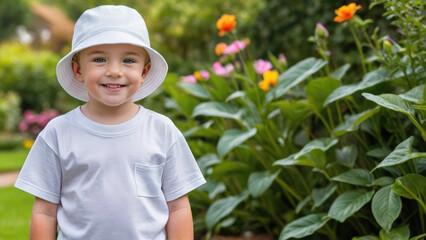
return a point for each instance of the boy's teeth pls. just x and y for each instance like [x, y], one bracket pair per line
[113, 86]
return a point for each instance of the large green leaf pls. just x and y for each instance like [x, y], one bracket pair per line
[322, 144]
[217, 109]
[259, 182]
[400, 154]
[415, 95]
[347, 155]
[352, 122]
[233, 138]
[295, 75]
[348, 203]
[320, 195]
[360, 177]
[207, 161]
[390, 101]
[340, 72]
[318, 90]
[401, 233]
[195, 89]
[303, 227]
[386, 207]
[223, 207]
[370, 79]
[412, 186]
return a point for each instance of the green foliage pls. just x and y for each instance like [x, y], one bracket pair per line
[10, 112]
[330, 151]
[30, 74]
[13, 13]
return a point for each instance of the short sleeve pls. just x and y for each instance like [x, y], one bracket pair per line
[41, 173]
[181, 172]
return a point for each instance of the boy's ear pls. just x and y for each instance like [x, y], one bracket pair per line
[145, 71]
[77, 71]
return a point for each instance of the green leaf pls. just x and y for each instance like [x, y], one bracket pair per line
[415, 95]
[411, 186]
[352, 122]
[386, 207]
[259, 182]
[401, 233]
[303, 203]
[370, 79]
[207, 161]
[295, 75]
[360, 177]
[195, 89]
[400, 154]
[303, 227]
[318, 90]
[340, 72]
[233, 138]
[347, 155]
[222, 208]
[217, 109]
[391, 101]
[320, 195]
[383, 181]
[234, 95]
[369, 237]
[322, 144]
[348, 203]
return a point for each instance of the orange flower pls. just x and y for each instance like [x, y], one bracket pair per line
[346, 12]
[271, 77]
[219, 48]
[264, 85]
[226, 23]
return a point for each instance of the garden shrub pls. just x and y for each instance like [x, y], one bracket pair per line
[312, 150]
[31, 74]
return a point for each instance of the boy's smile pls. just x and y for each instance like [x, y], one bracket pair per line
[111, 73]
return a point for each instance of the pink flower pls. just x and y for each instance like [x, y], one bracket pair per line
[235, 47]
[220, 70]
[205, 74]
[262, 66]
[189, 79]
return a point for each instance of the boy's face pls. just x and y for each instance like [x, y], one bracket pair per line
[112, 73]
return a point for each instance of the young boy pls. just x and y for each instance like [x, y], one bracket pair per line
[110, 169]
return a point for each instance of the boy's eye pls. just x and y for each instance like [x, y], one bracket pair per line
[129, 60]
[99, 60]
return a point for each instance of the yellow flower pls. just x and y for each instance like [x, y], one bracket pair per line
[28, 143]
[271, 77]
[226, 23]
[198, 76]
[264, 85]
[219, 48]
[346, 12]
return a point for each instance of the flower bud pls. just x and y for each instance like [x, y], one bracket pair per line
[321, 32]
[387, 46]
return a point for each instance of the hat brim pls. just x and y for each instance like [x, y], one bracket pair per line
[76, 89]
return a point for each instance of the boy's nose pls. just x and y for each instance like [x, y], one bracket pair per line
[114, 70]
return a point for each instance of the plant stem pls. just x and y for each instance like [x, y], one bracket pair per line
[288, 189]
[358, 45]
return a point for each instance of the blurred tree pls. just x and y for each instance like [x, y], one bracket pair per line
[12, 14]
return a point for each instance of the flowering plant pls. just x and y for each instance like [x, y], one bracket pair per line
[315, 148]
[33, 123]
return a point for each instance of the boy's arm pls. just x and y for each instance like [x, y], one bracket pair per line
[180, 225]
[43, 220]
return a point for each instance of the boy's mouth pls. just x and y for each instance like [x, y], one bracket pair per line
[113, 85]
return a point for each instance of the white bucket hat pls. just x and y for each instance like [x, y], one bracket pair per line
[110, 25]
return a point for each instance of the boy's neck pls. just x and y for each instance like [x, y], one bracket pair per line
[110, 115]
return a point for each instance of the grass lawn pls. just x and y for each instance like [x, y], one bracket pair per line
[12, 160]
[15, 209]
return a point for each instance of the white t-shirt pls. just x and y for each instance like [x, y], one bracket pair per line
[110, 181]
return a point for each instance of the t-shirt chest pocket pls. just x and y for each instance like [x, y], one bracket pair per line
[148, 180]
